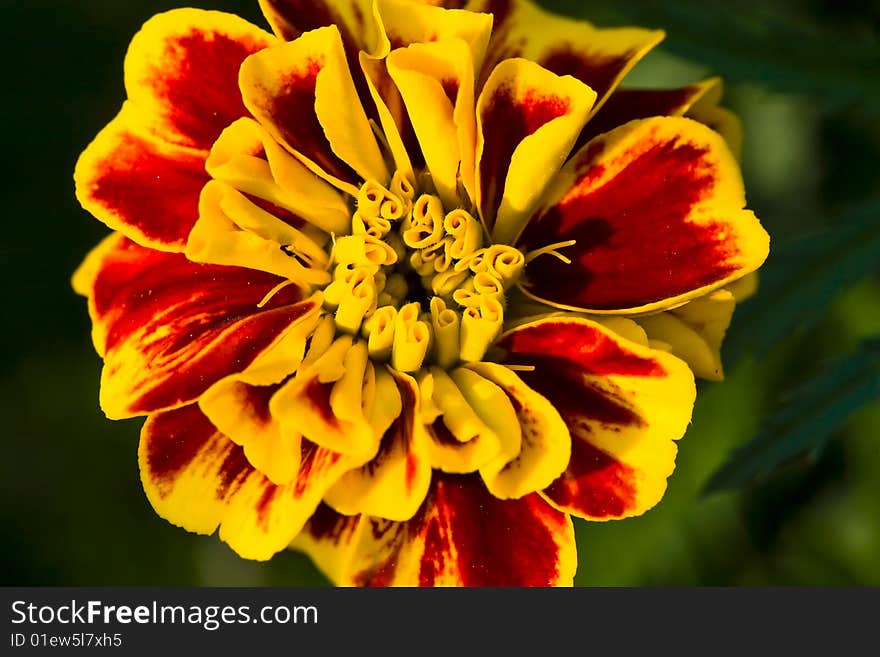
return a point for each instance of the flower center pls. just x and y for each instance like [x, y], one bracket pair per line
[420, 283]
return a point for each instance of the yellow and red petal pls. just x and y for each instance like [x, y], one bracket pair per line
[545, 446]
[527, 121]
[707, 110]
[326, 401]
[407, 22]
[600, 58]
[462, 536]
[196, 478]
[169, 328]
[181, 73]
[625, 105]
[140, 185]
[355, 19]
[394, 482]
[246, 157]
[302, 92]
[695, 331]
[234, 230]
[624, 405]
[436, 83]
[654, 209]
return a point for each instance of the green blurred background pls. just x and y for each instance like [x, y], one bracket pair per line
[800, 507]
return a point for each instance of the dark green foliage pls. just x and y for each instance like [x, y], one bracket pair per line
[806, 417]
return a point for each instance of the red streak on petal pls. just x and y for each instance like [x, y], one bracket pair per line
[411, 469]
[277, 211]
[198, 82]
[154, 192]
[634, 243]
[173, 441]
[327, 524]
[441, 433]
[318, 394]
[590, 349]
[450, 88]
[234, 470]
[593, 68]
[562, 383]
[594, 483]
[498, 542]
[500, 10]
[264, 504]
[434, 556]
[507, 120]
[625, 105]
[293, 112]
[257, 399]
[214, 361]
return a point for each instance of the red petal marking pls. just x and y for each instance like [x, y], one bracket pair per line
[561, 381]
[593, 351]
[399, 436]
[151, 188]
[496, 544]
[507, 120]
[597, 70]
[634, 245]
[197, 80]
[298, 16]
[593, 67]
[277, 211]
[293, 111]
[327, 524]
[394, 102]
[450, 88]
[175, 438]
[626, 105]
[171, 312]
[318, 394]
[302, 16]
[594, 483]
[257, 399]
[491, 542]
[313, 460]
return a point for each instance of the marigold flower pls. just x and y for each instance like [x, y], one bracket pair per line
[408, 285]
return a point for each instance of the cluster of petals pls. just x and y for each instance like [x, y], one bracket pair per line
[408, 285]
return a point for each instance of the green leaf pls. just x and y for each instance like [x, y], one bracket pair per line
[807, 417]
[800, 280]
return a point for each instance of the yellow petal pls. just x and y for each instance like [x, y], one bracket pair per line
[394, 483]
[545, 446]
[528, 118]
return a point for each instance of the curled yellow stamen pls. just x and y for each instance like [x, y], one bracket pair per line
[466, 232]
[364, 250]
[446, 323]
[403, 188]
[426, 225]
[375, 226]
[485, 284]
[438, 254]
[379, 331]
[479, 328]
[445, 283]
[412, 338]
[504, 262]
